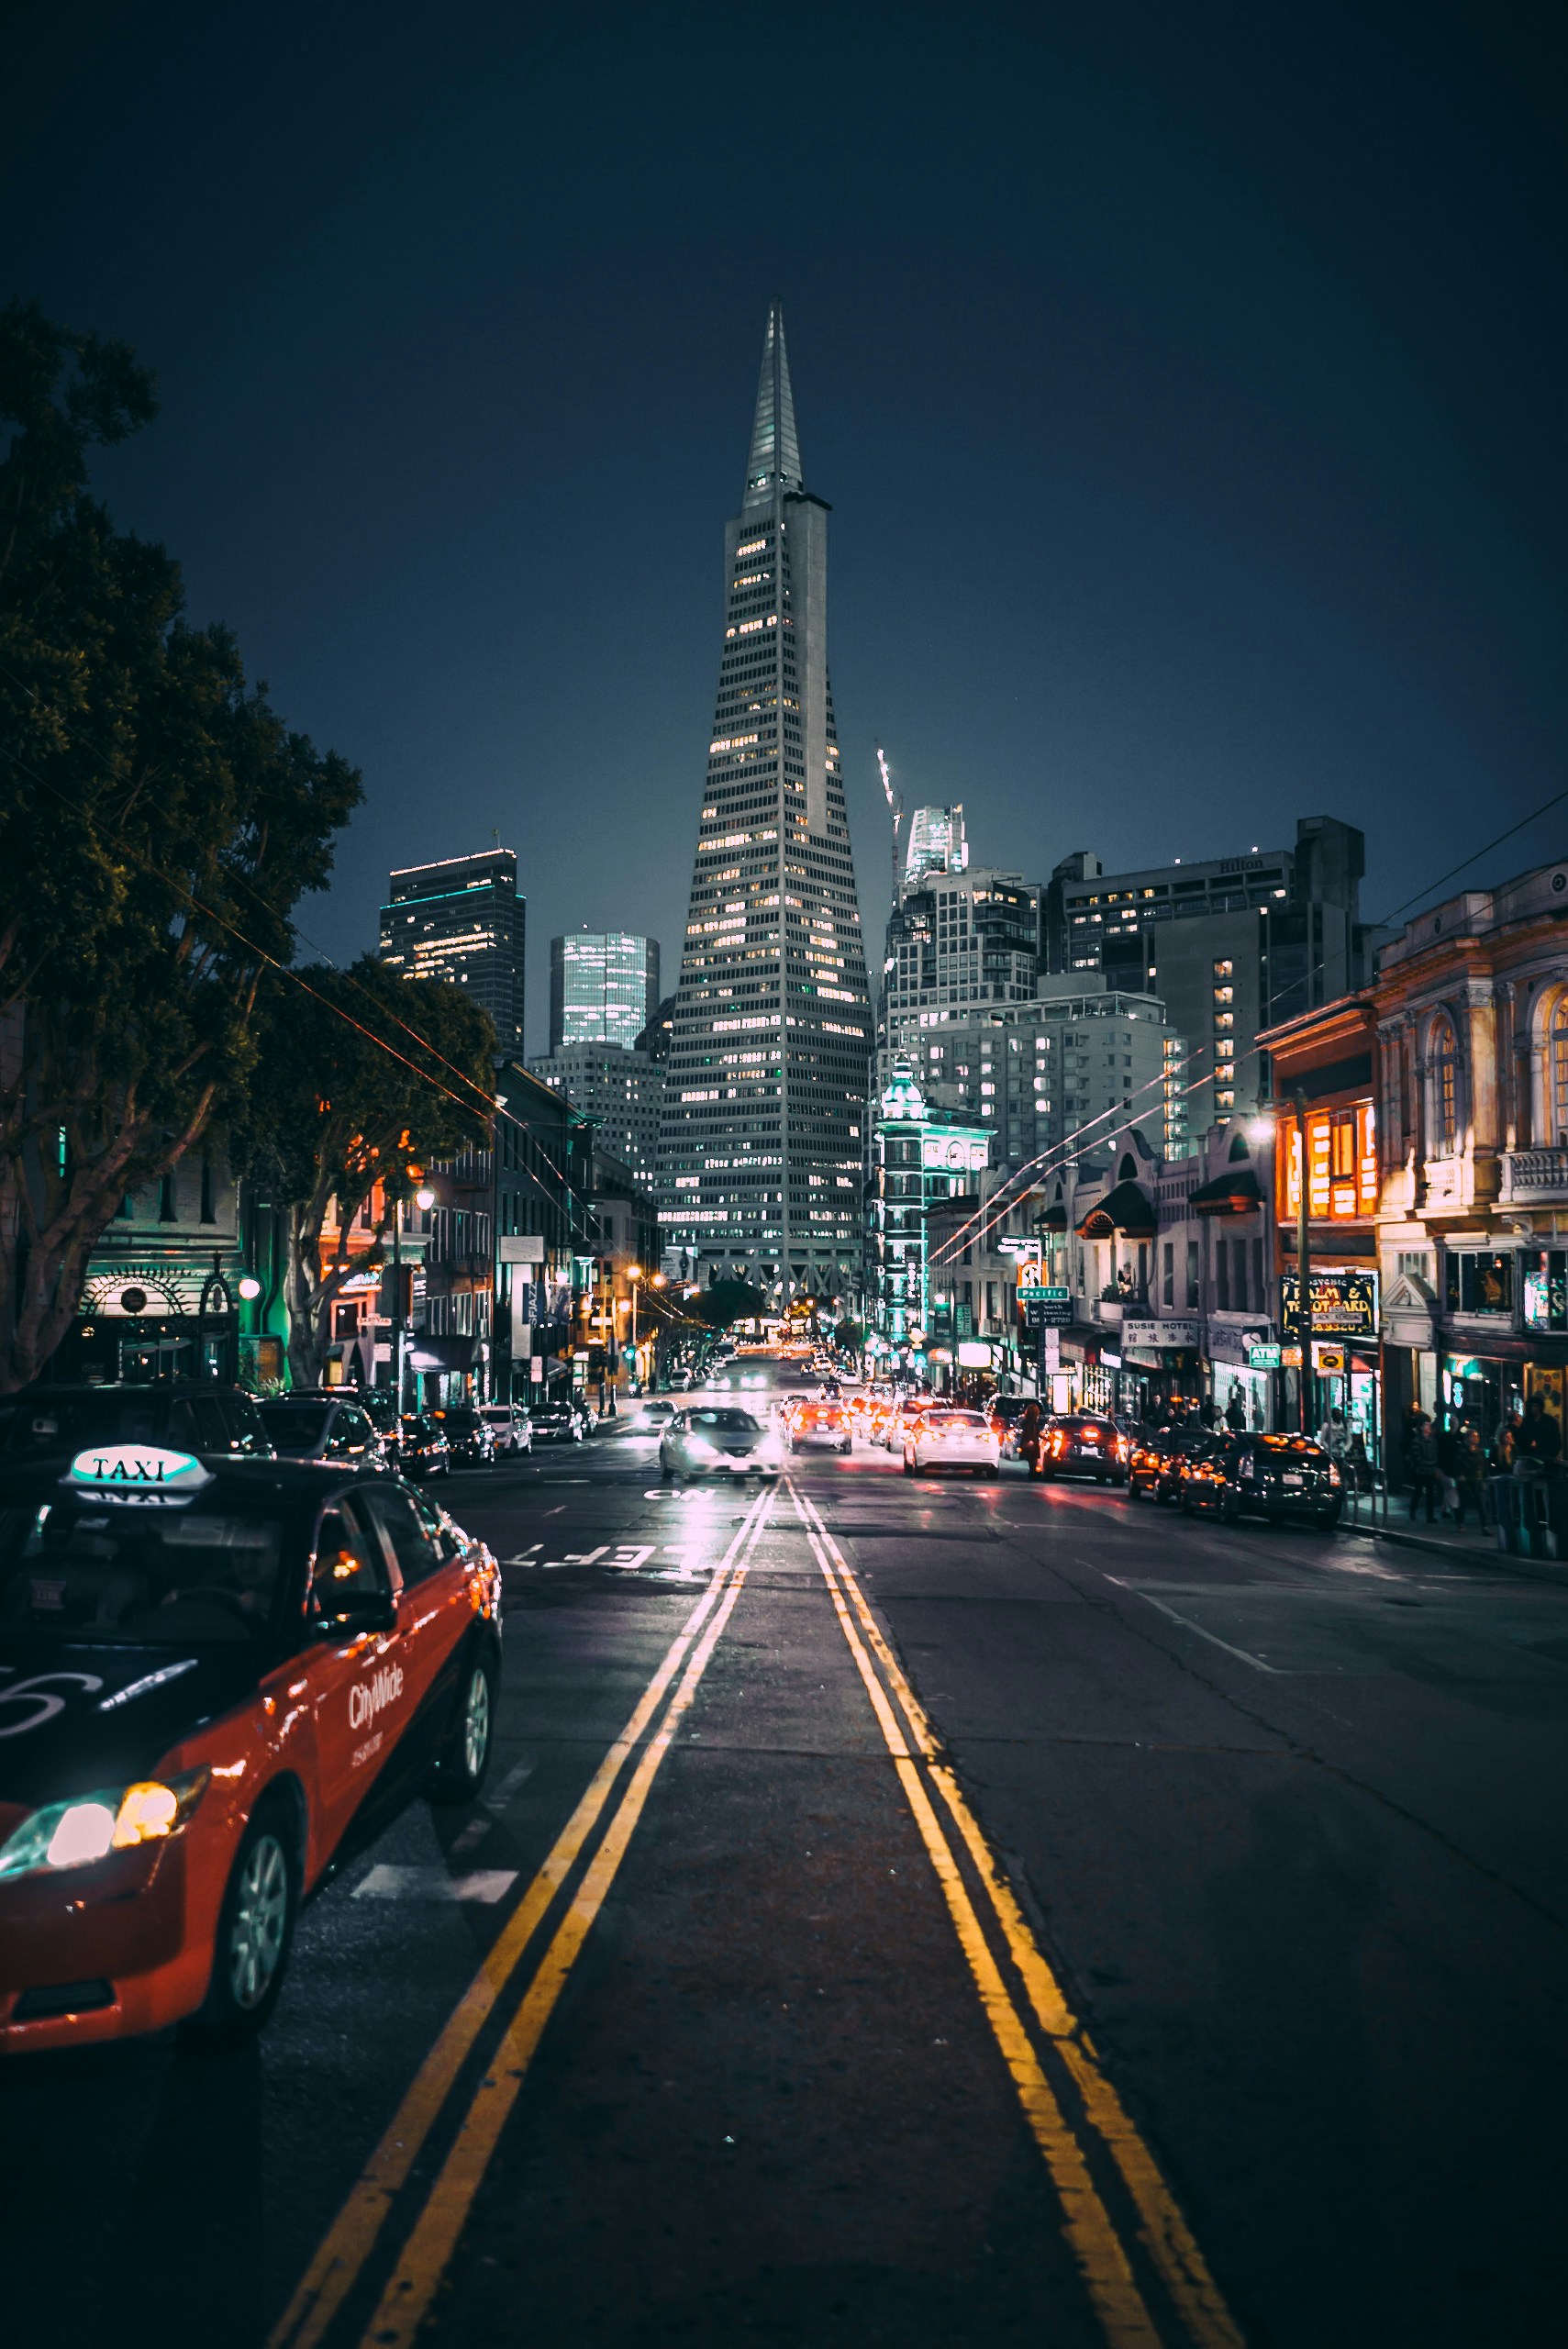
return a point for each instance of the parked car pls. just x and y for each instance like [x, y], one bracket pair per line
[469, 1442]
[710, 1438]
[1084, 1444]
[44, 1422]
[1159, 1459]
[323, 1423]
[423, 1450]
[944, 1438]
[1276, 1477]
[558, 1423]
[510, 1426]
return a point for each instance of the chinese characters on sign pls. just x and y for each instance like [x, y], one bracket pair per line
[1341, 1165]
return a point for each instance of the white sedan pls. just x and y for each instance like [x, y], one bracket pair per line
[950, 1440]
[711, 1439]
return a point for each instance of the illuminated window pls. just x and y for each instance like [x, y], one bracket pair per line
[1224, 970]
[1560, 1071]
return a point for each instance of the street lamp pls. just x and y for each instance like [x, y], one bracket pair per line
[424, 1198]
[634, 1276]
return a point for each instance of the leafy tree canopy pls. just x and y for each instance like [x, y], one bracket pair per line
[728, 1301]
[362, 1080]
[158, 824]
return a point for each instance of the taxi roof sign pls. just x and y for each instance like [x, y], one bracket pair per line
[137, 1468]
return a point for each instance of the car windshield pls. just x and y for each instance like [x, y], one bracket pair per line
[958, 1419]
[1289, 1447]
[1089, 1426]
[82, 1567]
[724, 1422]
[458, 1419]
[296, 1427]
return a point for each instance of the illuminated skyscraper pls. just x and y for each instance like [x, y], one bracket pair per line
[463, 919]
[760, 1143]
[937, 843]
[604, 988]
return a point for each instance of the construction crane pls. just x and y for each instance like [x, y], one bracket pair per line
[896, 805]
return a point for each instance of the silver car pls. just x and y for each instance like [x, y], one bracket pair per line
[715, 1439]
[510, 1427]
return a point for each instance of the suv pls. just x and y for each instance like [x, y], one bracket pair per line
[509, 1425]
[1084, 1444]
[44, 1422]
[1275, 1475]
[323, 1423]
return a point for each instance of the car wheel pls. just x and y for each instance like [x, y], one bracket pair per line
[1187, 1502]
[255, 1930]
[459, 1773]
[1230, 1509]
[908, 1465]
[1326, 1519]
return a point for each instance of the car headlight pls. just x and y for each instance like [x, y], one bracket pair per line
[699, 1446]
[74, 1834]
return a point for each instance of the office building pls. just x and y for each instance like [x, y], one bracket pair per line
[462, 920]
[604, 988]
[761, 1142]
[620, 1092]
[958, 939]
[1232, 946]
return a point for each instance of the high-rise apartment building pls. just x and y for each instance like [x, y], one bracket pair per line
[620, 1091]
[959, 938]
[463, 919]
[604, 987]
[761, 1140]
[1232, 946]
[937, 843]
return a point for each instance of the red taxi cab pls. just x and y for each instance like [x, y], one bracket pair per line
[219, 1679]
[820, 1427]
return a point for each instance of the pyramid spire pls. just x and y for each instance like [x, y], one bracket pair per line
[776, 449]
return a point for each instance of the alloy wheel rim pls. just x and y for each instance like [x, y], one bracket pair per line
[261, 1917]
[476, 1725]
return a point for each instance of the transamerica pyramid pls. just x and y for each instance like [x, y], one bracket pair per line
[760, 1138]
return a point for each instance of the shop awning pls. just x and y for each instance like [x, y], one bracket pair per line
[1235, 1192]
[426, 1352]
[1126, 1210]
[1053, 1219]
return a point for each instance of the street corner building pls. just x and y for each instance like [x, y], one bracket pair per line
[761, 1147]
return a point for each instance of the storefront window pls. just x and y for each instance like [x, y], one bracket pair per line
[1545, 1277]
[1478, 1284]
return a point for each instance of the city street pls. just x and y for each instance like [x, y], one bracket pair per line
[899, 1913]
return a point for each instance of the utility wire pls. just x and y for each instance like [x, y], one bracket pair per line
[1544, 810]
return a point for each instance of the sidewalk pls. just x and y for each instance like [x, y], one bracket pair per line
[1465, 1545]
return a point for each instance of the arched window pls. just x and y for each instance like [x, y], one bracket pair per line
[1557, 1073]
[1442, 1077]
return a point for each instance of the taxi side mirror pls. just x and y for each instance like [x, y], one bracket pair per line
[370, 1610]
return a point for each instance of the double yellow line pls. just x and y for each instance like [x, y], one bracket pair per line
[349, 2242]
[1092, 2232]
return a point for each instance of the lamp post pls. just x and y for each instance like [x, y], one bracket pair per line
[633, 1276]
[423, 1198]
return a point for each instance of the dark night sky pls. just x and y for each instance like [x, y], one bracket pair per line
[1188, 385]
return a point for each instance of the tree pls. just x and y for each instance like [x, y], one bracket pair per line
[849, 1336]
[727, 1301]
[158, 824]
[361, 1077]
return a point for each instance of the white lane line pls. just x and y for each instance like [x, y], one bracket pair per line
[1212, 1637]
[387, 1883]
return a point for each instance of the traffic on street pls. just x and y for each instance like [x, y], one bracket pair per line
[814, 1896]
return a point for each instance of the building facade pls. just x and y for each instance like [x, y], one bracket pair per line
[761, 1139]
[957, 940]
[1063, 1068]
[1453, 1058]
[1232, 946]
[603, 989]
[462, 920]
[937, 843]
[925, 1160]
[622, 1091]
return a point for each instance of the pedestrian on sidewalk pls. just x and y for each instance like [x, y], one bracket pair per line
[1028, 1434]
[1421, 1466]
[1470, 1475]
[1448, 1463]
[1540, 1438]
[1335, 1436]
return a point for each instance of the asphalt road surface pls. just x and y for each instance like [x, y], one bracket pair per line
[903, 1913]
